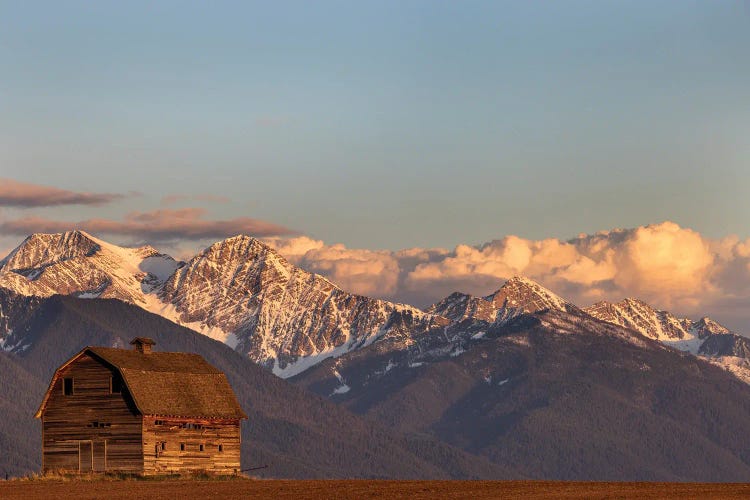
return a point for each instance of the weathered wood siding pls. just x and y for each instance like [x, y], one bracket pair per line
[69, 439]
[172, 432]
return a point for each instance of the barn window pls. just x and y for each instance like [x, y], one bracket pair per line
[221, 448]
[67, 386]
[200, 447]
[182, 446]
[115, 385]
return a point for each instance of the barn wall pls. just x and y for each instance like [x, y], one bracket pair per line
[173, 431]
[69, 438]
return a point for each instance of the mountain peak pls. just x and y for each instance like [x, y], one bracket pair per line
[646, 319]
[459, 306]
[242, 250]
[525, 295]
[519, 295]
[43, 249]
[77, 263]
[241, 242]
[705, 327]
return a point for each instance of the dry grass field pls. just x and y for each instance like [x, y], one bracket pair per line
[357, 489]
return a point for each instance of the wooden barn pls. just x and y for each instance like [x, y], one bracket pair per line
[139, 411]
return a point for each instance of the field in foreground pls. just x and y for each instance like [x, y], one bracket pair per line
[284, 489]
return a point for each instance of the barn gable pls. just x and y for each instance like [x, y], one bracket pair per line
[166, 383]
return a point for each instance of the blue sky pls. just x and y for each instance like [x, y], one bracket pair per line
[387, 124]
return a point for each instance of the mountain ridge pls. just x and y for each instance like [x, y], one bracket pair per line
[244, 293]
[238, 290]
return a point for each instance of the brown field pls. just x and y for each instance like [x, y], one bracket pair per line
[359, 489]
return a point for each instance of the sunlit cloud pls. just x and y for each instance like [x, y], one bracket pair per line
[667, 265]
[25, 195]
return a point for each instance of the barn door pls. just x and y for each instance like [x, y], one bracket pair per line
[85, 456]
[100, 456]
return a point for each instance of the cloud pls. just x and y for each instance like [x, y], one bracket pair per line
[669, 266]
[367, 272]
[172, 199]
[24, 195]
[155, 226]
[663, 263]
[294, 249]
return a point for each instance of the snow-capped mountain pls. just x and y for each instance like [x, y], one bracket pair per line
[281, 316]
[517, 296]
[76, 263]
[243, 293]
[682, 333]
[704, 338]
[239, 291]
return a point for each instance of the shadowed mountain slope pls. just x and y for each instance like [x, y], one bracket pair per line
[562, 395]
[296, 433]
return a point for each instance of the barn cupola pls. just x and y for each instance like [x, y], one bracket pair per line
[143, 344]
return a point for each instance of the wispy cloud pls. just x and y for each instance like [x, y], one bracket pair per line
[155, 226]
[24, 195]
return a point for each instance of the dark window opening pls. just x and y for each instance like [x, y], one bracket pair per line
[115, 385]
[200, 448]
[182, 446]
[99, 425]
[190, 425]
[67, 386]
[158, 422]
[163, 445]
[221, 448]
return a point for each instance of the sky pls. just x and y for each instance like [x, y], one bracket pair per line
[368, 132]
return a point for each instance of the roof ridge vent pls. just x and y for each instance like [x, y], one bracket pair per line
[143, 344]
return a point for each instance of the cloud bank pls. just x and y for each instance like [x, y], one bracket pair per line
[24, 195]
[668, 266]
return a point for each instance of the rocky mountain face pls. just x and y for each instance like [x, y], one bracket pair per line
[281, 316]
[239, 291]
[683, 333]
[75, 263]
[726, 344]
[14, 310]
[516, 297]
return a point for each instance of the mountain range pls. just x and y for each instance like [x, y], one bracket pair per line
[239, 291]
[519, 383]
[242, 292]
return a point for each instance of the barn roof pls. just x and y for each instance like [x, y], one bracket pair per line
[167, 383]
